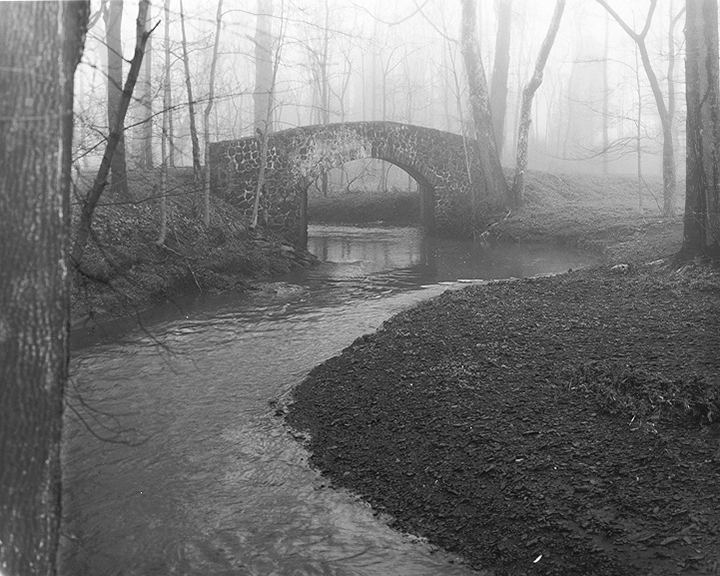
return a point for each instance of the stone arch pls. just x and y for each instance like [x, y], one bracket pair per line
[436, 160]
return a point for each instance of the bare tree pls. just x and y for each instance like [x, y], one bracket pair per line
[146, 103]
[499, 80]
[197, 168]
[40, 46]
[669, 179]
[495, 191]
[702, 198]
[165, 138]
[208, 109]
[264, 85]
[113, 31]
[268, 98]
[116, 130]
[528, 93]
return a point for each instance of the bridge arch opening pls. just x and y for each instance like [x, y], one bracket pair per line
[371, 190]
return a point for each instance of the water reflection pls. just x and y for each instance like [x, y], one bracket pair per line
[201, 478]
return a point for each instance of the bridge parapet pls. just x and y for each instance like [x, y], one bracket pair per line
[449, 185]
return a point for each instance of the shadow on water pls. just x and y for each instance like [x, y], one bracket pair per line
[198, 475]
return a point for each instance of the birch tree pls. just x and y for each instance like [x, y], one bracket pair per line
[40, 46]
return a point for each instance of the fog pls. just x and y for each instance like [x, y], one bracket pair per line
[345, 60]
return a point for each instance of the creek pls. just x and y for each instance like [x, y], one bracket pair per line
[174, 459]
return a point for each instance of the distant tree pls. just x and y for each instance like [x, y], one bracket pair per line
[146, 103]
[528, 93]
[40, 47]
[265, 88]
[197, 168]
[165, 140]
[501, 66]
[89, 202]
[495, 191]
[702, 197]
[669, 178]
[208, 109]
[264, 84]
[113, 32]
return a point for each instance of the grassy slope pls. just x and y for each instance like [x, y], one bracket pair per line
[594, 212]
[590, 211]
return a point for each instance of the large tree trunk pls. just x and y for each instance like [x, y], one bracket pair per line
[518, 187]
[208, 109]
[498, 84]
[113, 28]
[40, 46]
[495, 192]
[702, 216]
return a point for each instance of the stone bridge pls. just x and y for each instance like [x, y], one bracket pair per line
[449, 186]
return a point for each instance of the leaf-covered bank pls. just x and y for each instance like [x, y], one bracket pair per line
[564, 425]
[124, 269]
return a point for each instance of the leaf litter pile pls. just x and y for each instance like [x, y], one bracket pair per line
[561, 425]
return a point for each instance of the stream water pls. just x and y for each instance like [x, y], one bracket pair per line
[174, 462]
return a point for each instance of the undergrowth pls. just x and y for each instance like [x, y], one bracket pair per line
[621, 389]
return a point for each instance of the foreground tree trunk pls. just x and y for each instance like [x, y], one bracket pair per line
[702, 215]
[495, 191]
[113, 32]
[518, 187]
[40, 46]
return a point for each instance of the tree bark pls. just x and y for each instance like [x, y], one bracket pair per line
[40, 46]
[208, 109]
[116, 130]
[197, 168]
[518, 186]
[165, 139]
[495, 191]
[113, 28]
[701, 233]
[146, 155]
[262, 97]
[498, 83]
[669, 177]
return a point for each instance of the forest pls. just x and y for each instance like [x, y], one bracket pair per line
[109, 108]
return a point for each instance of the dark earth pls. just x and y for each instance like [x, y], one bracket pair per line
[558, 425]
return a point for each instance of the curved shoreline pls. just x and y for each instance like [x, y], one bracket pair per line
[476, 420]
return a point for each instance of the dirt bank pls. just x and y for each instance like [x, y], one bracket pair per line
[563, 425]
[125, 270]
